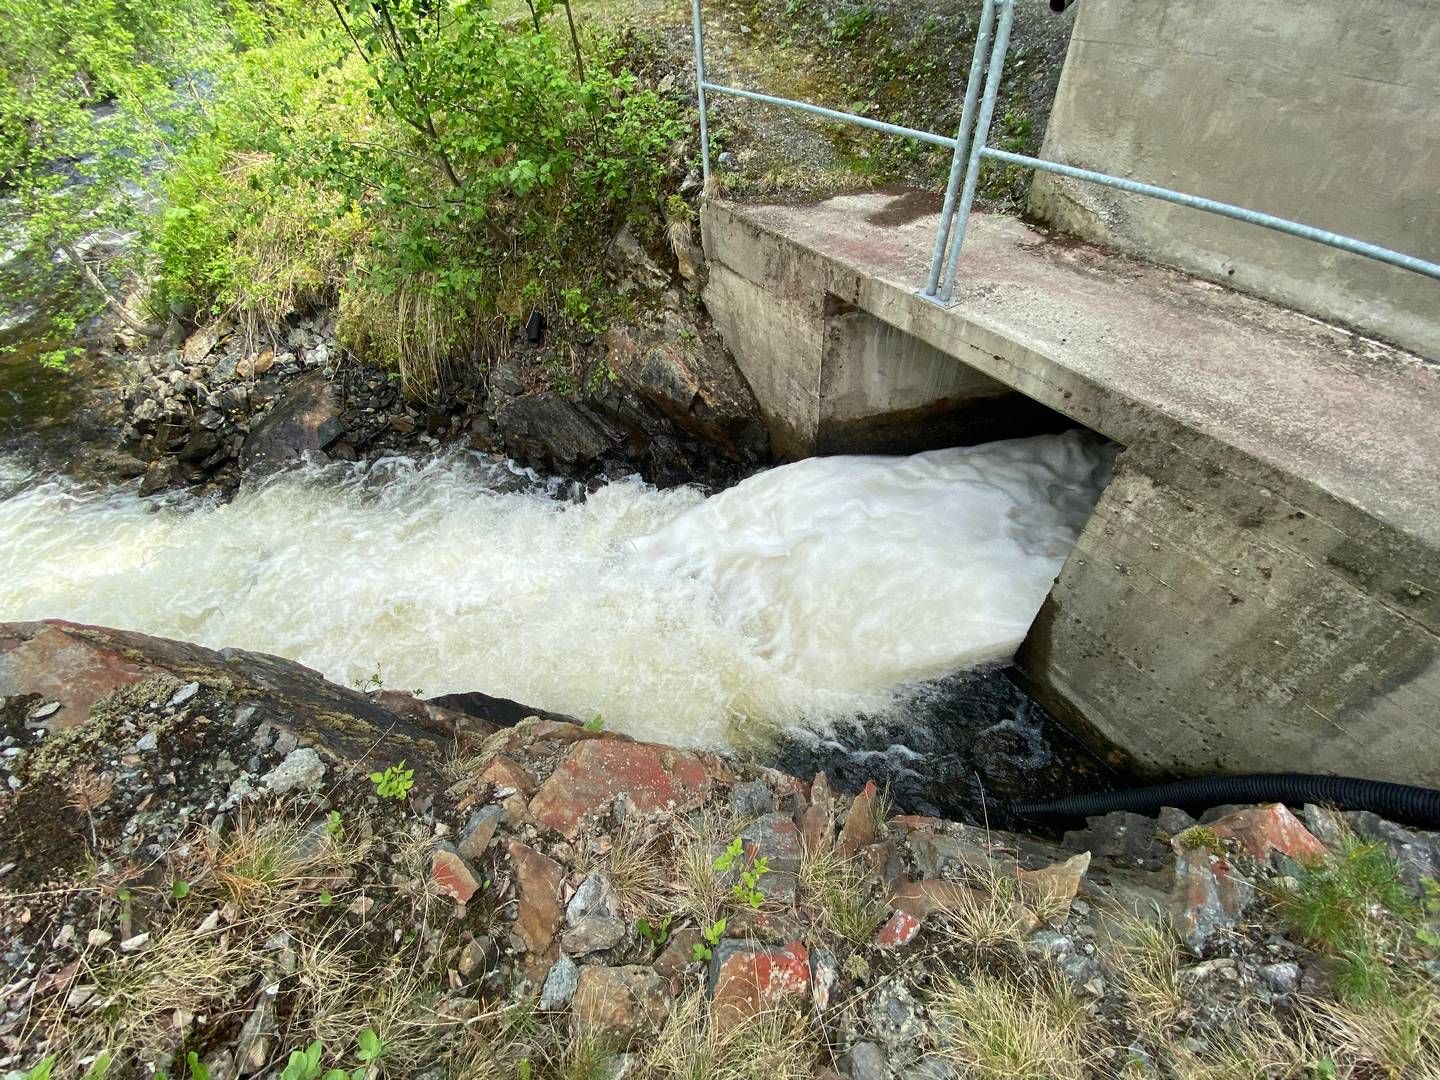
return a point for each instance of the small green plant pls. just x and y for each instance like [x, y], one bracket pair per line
[395, 782]
[1323, 1069]
[334, 827]
[657, 933]
[304, 1064]
[704, 950]
[197, 1068]
[1348, 906]
[595, 723]
[524, 1070]
[179, 889]
[747, 889]
[369, 1047]
[372, 682]
[852, 23]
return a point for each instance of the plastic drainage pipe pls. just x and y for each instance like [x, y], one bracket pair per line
[1400, 802]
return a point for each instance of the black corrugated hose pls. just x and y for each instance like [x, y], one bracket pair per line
[1398, 802]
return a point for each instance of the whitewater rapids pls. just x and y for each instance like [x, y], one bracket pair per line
[807, 593]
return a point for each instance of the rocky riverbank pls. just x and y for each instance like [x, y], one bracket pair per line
[656, 394]
[220, 854]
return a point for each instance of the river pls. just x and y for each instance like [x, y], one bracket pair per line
[806, 595]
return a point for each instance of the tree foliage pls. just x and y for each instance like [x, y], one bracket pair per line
[434, 167]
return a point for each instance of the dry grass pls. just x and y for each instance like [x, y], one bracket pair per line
[1144, 956]
[776, 1044]
[637, 867]
[131, 1001]
[416, 328]
[989, 916]
[994, 1029]
[269, 864]
[1399, 1036]
[703, 891]
[840, 890]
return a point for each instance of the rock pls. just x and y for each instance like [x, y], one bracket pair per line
[305, 420]
[479, 831]
[776, 838]
[560, 984]
[921, 898]
[594, 933]
[746, 979]
[824, 977]
[97, 938]
[633, 263]
[1050, 889]
[1282, 978]
[1122, 839]
[301, 770]
[184, 694]
[1265, 830]
[620, 1003]
[551, 431]
[451, 875]
[678, 951]
[199, 446]
[817, 824]
[252, 1047]
[539, 914]
[1416, 853]
[252, 366]
[859, 829]
[43, 712]
[202, 342]
[1172, 821]
[595, 771]
[503, 772]
[751, 799]
[899, 931]
[959, 853]
[865, 1061]
[159, 474]
[593, 897]
[694, 384]
[689, 258]
[1208, 897]
[79, 666]
[146, 743]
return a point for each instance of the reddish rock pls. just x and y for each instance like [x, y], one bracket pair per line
[914, 822]
[538, 879]
[59, 664]
[1051, 888]
[1208, 897]
[776, 838]
[1264, 830]
[900, 930]
[747, 981]
[620, 1004]
[452, 875]
[859, 830]
[503, 772]
[676, 955]
[817, 824]
[652, 777]
[921, 898]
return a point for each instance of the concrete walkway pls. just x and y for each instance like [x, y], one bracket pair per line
[1356, 418]
[1259, 588]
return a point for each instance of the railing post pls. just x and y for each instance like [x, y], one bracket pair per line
[977, 143]
[962, 143]
[698, 32]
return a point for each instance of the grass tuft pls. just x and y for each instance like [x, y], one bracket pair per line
[997, 1030]
[841, 891]
[776, 1044]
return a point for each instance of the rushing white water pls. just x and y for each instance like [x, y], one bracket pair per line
[811, 591]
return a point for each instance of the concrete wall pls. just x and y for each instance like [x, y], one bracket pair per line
[1324, 111]
[833, 379]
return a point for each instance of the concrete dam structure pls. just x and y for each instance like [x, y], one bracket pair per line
[1258, 588]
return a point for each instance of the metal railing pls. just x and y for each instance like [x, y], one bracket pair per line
[970, 152]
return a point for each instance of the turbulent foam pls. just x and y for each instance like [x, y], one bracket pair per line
[811, 591]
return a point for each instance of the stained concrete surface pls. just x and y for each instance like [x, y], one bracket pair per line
[1326, 112]
[1260, 589]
